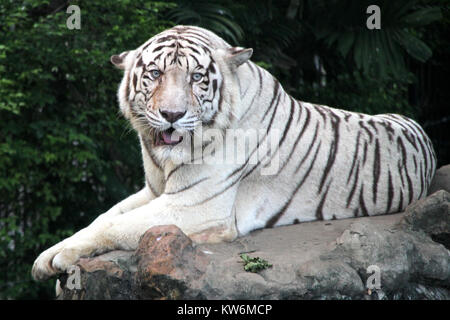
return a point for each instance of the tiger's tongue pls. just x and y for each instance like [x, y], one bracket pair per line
[167, 137]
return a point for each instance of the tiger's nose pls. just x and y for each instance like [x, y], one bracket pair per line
[172, 116]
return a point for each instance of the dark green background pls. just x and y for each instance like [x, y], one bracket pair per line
[67, 155]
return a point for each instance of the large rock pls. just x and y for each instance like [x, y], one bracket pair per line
[441, 180]
[316, 260]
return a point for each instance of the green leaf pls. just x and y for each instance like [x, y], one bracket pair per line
[254, 264]
[415, 47]
[423, 16]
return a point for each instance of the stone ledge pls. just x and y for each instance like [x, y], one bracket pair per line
[315, 260]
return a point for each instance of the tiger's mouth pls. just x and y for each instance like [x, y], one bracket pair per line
[167, 138]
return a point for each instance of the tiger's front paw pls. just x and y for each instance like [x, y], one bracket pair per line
[68, 257]
[43, 265]
[58, 259]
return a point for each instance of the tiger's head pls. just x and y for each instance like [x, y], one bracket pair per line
[178, 81]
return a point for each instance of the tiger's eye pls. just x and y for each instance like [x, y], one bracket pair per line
[197, 77]
[155, 73]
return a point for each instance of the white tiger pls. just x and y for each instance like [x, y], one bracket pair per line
[333, 164]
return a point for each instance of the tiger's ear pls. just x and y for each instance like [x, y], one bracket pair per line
[237, 55]
[119, 60]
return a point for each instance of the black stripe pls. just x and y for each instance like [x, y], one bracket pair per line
[127, 86]
[140, 63]
[297, 139]
[251, 103]
[415, 164]
[276, 89]
[361, 202]
[260, 76]
[310, 147]
[283, 137]
[421, 181]
[149, 185]
[248, 159]
[166, 38]
[388, 127]
[135, 81]
[152, 157]
[256, 94]
[274, 219]
[411, 139]
[239, 169]
[424, 155]
[158, 56]
[399, 168]
[395, 120]
[219, 105]
[390, 192]
[408, 123]
[147, 45]
[320, 110]
[288, 125]
[251, 170]
[211, 68]
[405, 166]
[355, 156]
[319, 210]
[187, 187]
[187, 64]
[335, 121]
[197, 36]
[201, 43]
[347, 116]
[250, 65]
[217, 193]
[361, 124]
[365, 152]
[173, 171]
[188, 40]
[352, 190]
[259, 161]
[376, 170]
[372, 124]
[400, 201]
[193, 49]
[410, 186]
[300, 109]
[195, 59]
[273, 114]
[159, 48]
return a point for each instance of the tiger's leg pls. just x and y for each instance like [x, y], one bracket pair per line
[213, 221]
[154, 183]
[132, 202]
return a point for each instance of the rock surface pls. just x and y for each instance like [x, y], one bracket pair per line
[336, 259]
[441, 180]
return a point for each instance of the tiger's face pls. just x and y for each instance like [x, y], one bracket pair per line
[174, 83]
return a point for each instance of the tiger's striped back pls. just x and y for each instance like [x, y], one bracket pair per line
[341, 164]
